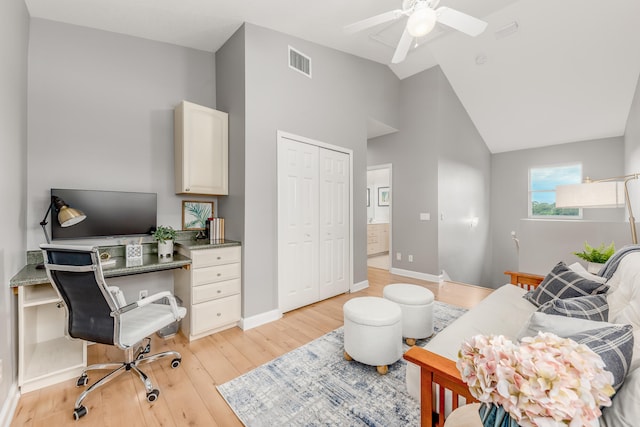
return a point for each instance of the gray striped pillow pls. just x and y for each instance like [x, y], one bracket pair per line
[564, 283]
[592, 307]
[614, 344]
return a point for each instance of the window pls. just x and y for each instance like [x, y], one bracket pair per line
[542, 190]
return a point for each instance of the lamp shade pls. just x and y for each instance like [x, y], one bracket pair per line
[70, 216]
[591, 195]
[67, 216]
[421, 21]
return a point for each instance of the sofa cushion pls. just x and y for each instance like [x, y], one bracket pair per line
[562, 282]
[501, 313]
[560, 325]
[578, 268]
[625, 404]
[614, 344]
[592, 307]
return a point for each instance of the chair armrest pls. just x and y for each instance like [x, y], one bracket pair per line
[150, 299]
[443, 373]
[527, 281]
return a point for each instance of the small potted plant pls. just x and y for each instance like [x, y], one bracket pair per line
[165, 237]
[596, 257]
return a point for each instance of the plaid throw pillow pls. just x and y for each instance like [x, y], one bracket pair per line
[592, 307]
[614, 344]
[564, 283]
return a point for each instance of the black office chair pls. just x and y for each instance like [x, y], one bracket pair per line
[93, 314]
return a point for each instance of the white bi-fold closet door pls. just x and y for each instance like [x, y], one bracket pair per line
[314, 221]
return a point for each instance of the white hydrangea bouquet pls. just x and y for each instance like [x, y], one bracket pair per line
[543, 381]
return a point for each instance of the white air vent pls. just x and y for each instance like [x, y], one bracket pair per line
[299, 62]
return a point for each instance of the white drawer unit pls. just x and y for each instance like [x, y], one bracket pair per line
[210, 290]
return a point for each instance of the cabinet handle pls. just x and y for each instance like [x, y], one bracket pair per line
[219, 257]
[219, 274]
[219, 291]
[187, 189]
[219, 314]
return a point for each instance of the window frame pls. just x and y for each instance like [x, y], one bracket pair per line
[530, 192]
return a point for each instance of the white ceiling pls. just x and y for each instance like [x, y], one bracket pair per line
[568, 74]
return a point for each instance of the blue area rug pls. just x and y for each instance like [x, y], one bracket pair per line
[314, 385]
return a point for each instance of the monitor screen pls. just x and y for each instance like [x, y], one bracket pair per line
[109, 213]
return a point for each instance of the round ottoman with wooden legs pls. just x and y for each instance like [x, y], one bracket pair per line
[416, 303]
[373, 332]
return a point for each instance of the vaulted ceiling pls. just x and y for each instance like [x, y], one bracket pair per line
[567, 73]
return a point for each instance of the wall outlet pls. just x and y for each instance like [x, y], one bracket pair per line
[398, 256]
[410, 258]
[425, 216]
[143, 294]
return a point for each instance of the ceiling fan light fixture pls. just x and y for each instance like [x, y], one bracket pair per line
[421, 21]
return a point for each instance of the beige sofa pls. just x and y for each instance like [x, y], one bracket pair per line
[431, 370]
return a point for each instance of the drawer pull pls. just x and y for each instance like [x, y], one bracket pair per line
[219, 257]
[219, 274]
[219, 291]
[219, 314]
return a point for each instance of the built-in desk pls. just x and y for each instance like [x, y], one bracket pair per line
[45, 355]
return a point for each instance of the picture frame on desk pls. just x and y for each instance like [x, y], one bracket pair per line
[195, 214]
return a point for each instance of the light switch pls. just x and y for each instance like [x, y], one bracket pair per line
[425, 216]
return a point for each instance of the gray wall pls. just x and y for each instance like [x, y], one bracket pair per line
[331, 107]
[413, 153]
[632, 150]
[230, 97]
[464, 188]
[509, 203]
[101, 117]
[441, 166]
[14, 37]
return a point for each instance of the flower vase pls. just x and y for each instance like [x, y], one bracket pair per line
[165, 250]
[495, 416]
[594, 267]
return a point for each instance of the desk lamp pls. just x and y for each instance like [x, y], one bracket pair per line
[600, 193]
[66, 216]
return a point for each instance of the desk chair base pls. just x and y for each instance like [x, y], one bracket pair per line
[132, 360]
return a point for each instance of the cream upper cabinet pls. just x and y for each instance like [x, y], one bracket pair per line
[201, 150]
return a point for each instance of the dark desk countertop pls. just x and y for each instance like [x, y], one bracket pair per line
[30, 275]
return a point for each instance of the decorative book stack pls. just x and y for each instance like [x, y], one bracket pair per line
[216, 230]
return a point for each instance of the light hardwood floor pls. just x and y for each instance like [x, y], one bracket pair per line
[188, 394]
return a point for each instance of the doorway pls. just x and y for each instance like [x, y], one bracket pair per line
[379, 200]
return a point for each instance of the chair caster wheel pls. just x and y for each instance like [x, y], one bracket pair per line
[152, 396]
[82, 381]
[175, 363]
[79, 413]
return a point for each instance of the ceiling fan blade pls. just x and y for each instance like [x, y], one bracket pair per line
[460, 21]
[373, 21]
[403, 47]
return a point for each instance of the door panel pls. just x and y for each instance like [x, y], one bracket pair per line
[334, 222]
[297, 222]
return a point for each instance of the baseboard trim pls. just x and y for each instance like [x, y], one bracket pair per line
[417, 275]
[260, 319]
[359, 286]
[9, 406]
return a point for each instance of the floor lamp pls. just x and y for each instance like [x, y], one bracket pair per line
[601, 193]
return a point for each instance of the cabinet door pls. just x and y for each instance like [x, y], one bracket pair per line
[215, 314]
[201, 150]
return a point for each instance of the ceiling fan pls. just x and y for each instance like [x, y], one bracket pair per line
[423, 16]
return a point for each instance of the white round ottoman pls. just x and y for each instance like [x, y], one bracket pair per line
[372, 332]
[416, 303]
